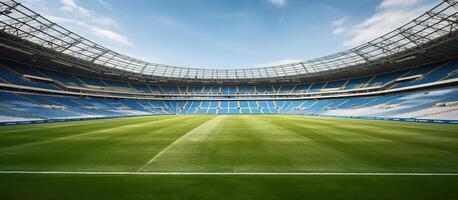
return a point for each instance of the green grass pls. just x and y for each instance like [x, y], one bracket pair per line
[219, 143]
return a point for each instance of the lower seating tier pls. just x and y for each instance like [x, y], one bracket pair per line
[432, 104]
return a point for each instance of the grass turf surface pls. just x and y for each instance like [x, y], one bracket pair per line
[238, 143]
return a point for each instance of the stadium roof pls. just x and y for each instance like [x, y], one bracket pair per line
[24, 23]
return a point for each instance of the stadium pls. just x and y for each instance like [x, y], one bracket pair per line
[79, 120]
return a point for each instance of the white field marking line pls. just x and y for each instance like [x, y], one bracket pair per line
[234, 173]
[207, 123]
[91, 132]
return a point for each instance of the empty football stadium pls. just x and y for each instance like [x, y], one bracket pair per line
[79, 120]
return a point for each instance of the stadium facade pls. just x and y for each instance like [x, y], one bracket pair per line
[48, 73]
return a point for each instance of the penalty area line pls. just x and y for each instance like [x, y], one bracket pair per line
[234, 173]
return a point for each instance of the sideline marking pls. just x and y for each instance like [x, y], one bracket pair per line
[235, 173]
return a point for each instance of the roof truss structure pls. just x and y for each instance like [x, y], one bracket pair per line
[24, 23]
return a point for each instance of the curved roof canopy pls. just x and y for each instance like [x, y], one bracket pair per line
[22, 22]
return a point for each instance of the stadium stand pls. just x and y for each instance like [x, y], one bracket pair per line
[408, 79]
[424, 104]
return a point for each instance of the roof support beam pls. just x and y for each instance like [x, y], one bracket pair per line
[360, 54]
[143, 68]
[19, 22]
[6, 9]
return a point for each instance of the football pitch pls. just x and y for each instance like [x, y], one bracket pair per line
[229, 157]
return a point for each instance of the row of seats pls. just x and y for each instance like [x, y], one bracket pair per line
[35, 106]
[12, 73]
[421, 105]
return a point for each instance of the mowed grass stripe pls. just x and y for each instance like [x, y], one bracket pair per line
[377, 123]
[200, 130]
[248, 143]
[443, 140]
[318, 154]
[388, 148]
[119, 148]
[41, 132]
[94, 129]
[236, 143]
[195, 151]
[388, 132]
[312, 155]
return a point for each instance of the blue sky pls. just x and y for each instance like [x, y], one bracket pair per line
[229, 33]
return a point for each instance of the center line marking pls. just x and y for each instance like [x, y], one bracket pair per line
[211, 122]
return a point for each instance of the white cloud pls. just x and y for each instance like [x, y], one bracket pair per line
[339, 22]
[34, 1]
[87, 22]
[67, 21]
[104, 3]
[339, 26]
[339, 30]
[115, 37]
[390, 15]
[72, 6]
[277, 3]
[396, 3]
[104, 34]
